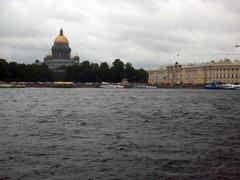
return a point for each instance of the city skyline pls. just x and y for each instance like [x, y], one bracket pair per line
[146, 33]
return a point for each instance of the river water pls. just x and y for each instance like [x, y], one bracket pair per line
[119, 134]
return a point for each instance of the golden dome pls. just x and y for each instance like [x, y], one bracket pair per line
[61, 39]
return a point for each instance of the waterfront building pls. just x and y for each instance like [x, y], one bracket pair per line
[224, 71]
[60, 58]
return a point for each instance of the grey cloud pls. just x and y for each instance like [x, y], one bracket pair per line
[228, 5]
[147, 33]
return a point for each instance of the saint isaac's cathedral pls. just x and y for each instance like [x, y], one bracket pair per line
[61, 55]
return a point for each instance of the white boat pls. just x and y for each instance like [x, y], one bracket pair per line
[151, 87]
[9, 85]
[228, 86]
[111, 86]
[237, 86]
[145, 87]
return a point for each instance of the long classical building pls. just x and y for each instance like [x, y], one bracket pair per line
[61, 55]
[225, 71]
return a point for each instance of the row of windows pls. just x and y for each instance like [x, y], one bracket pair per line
[228, 76]
[226, 69]
[225, 73]
[61, 55]
[190, 75]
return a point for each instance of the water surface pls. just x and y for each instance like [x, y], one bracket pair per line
[119, 134]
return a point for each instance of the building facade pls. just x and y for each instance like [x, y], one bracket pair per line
[225, 71]
[60, 58]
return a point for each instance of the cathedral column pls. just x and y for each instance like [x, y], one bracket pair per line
[234, 74]
[222, 74]
[216, 73]
[231, 74]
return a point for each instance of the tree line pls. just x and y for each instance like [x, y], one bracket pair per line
[83, 72]
[93, 72]
[13, 71]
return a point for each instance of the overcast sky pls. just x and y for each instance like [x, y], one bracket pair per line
[147, 33]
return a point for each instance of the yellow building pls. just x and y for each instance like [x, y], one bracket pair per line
[225, 71]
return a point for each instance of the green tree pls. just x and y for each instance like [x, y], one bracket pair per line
[130, 72]
[44, 73]
[104, 72]
[94, 74]
[71, 73]
[141, 76]
[83, 72]
[4, 70]
[14, 70]
[117, 71]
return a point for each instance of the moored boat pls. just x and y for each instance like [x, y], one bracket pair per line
[145, 87]
[213, 85]
[237, 86]
[12, 85]
[63, 85]
[228, 86]
[111, 86]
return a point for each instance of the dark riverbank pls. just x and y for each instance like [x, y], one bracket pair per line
[97, 85]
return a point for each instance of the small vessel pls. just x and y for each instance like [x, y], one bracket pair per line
[145, 87]
[237, 86]
[63, 85]
[110, 86]
[10, 85]
[213, 85]
[119, 86]
[125, 83]
[228, 86]
[151, 87]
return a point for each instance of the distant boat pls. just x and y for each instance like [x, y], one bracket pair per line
[231, 86]
[5, 85]
[213, 85]
[145, 87]
[237, 86]
[151, 87]
[110, 86]
[228, 86]
[63, 85]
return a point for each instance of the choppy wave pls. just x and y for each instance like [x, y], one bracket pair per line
[119, 134]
